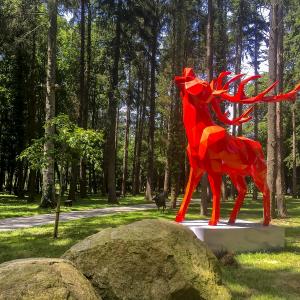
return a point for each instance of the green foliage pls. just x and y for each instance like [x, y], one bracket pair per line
[70, 142]
[34, 154]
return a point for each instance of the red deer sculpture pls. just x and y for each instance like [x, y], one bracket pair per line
[211, 149]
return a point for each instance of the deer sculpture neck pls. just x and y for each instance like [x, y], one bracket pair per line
[196, 117]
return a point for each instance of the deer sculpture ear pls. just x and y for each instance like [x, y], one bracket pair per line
[187, 75]
[194, 87]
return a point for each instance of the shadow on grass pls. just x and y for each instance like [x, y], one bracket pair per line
[247, 282]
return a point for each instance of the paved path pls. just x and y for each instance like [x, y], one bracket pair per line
[25, 222]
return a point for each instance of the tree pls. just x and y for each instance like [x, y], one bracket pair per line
[48, 196]
[209, 74]
[83, 94]
[271, 142]
[280, 186]
[112, 111]
[70, 140]
[126, 142]
[153, 20]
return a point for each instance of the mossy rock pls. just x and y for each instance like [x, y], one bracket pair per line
[149, 259]
[43, 279]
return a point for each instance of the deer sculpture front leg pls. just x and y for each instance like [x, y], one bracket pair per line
[215, 181]
[240, 184]
[194, 178]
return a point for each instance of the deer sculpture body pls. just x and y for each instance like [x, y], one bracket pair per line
[211, 149]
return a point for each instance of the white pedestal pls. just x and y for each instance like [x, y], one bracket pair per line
[243, 236]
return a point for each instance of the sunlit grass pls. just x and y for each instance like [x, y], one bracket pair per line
[261, 275]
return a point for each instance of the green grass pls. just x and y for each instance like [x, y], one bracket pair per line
[269, 275]
[12, 206]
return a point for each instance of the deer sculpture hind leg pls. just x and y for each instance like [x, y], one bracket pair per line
[215, 181]
[260, 181]
[241, 187]
[194, 178]
[259, 176]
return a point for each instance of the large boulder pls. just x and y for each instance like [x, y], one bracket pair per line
[149, 259]
[43, 278]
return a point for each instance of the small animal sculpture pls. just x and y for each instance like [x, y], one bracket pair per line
[213, 150]
[160, 200]
[68, 202]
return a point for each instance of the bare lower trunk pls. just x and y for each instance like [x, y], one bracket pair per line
[137, 172]
[125, 155]
[73, 181]
[150, 158]
[294, 151]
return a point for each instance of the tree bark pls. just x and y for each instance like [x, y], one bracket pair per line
[238, 55]
[137, 172]
[294, 151]
[167, 163]
[112, 114]
[271, 140]
[150, 160]
[83, 110]
[32, 101]
[281, 206]
[126, 142]
[136, 131]
[255, 112]
[48, 194]
[209, 73]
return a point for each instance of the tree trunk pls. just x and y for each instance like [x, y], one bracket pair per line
[281, 207]
[48, 195]
[112, 114]
[150, 160]
[32, 110]
[238, 55]
[137, 172]
[73, 180]
[126, 142]
[136, 130]
[294, 151]
[271, 142]
[255, 112]
[83, 110]
[209, 72]
[167, 163]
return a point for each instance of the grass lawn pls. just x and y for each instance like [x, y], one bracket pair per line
[269, 275]
[12, 206]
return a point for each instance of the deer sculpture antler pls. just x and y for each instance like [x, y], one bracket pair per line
[220, 93]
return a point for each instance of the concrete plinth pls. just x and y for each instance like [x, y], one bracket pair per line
[243, 236]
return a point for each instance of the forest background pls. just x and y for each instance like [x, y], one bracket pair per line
[86, 87]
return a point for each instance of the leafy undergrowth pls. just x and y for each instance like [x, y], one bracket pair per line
[12, 206]
[268, 275]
